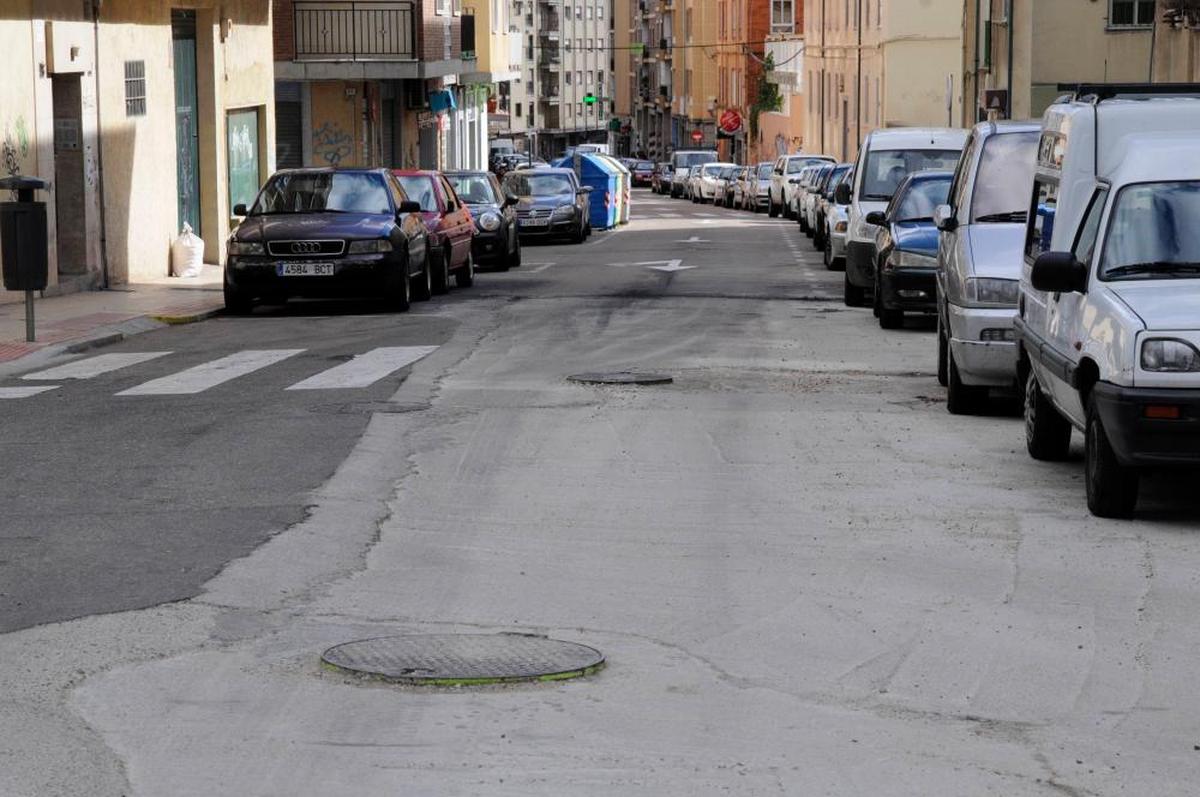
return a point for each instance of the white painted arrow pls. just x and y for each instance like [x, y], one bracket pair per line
[694, 240]
[672, 266]
[657, 265]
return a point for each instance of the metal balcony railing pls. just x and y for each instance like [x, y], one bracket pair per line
[345, 30]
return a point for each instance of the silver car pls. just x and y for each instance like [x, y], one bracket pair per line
[837, 221]
[981, 239]
[758, 187]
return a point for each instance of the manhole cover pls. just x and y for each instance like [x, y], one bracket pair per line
[621, 378]
[464, 659]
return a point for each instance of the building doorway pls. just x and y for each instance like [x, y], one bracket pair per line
[187, 130]
[69, 206]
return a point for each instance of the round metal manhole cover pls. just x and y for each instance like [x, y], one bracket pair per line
[464, 659]
[622, 378]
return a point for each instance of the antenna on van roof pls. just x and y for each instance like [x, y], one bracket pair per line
[1099, 92]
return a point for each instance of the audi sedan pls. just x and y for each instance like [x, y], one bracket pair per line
[327, 233]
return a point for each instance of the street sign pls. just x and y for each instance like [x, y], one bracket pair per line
[730, 123]
[697, 136]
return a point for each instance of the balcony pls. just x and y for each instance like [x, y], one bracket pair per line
[333, 30]
[549, 54]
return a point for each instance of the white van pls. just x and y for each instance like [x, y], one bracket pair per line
[1108, 329]
[886, 158]
[682, 161]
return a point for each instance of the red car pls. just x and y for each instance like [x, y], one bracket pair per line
[643, 173]
[451, 228]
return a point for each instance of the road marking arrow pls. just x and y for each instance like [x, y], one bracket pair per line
[694, 240]
[657, 265]
[672, 266]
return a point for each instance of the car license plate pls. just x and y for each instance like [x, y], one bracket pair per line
[304, 269]
[535, 222]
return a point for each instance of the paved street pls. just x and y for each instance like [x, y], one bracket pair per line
[806, 576]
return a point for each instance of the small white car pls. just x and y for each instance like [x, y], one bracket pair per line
[837, 221]
[784, 177]
[758, 187]
[1109, 322]
[704, 184]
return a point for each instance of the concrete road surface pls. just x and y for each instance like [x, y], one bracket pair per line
[806, 576]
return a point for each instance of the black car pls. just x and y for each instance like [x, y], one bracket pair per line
[497, 241]
[551, 203]
[328, 232]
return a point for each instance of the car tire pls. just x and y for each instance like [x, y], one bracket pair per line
[943, 349]
[237, 302]
[961, 399]
[852, 295]
[772, 208]
[398, 291]
[422, 288]
[514, 259]
[440, 268]
[1047, 432]
[465, 276]
[1112, 488]
[578, 235]
[827, 255]
[803, 223]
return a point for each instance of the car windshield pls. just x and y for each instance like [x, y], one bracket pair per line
[323, 192]
[885, 169]
[765, 170]
[921, 197]
[685, 159]
[474, 189]
[1005, 178]
[1153, 232]
[420, 189]
[539, 184]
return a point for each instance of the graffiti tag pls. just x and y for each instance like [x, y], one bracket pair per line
[332, 144]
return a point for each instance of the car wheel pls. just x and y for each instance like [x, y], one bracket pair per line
[578, 235]
[237, 302]
[961, 399]
[772, 208]
[1047, 433]
[803, 225]
[852, 295]
[827, 255]
[440, 266]
[943, 346]
[465, 276]
[1112, 488]
[514, 259]
[422, 289]
[398, 291]
[889, 317]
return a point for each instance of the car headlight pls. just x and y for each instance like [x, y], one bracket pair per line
[988, 290]
[373, 246]
[239, 248]
[564, 212]
[489, 221]
[900, 259]
[1169, 355]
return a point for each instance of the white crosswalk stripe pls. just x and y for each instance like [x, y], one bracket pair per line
[94, 366]
[24, 391]
[210, 374]
[365, 369]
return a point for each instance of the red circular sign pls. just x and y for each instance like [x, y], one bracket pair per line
[731, 122]
[697, 136]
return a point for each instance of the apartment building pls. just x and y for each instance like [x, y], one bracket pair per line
[378, 84]
[695, 74]
[1016, 52]
[494, 30]
[141, 118]
[644, 39]
[880, 63]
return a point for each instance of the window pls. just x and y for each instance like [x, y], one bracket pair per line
[568, 12]
[518, 110]
[600, 12]
[1041, 229]
[1085, 247]
[135, 88]
[1151, 234]
[441, 6]
[783, 16]
[1004, 176]
[1130, 13]
[241, 130]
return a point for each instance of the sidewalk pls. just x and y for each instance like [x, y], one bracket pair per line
[79, 321]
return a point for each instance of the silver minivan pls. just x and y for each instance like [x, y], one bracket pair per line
[981, 234]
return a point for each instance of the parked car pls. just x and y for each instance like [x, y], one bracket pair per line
[736, 194]
[681, 162]
[979, 261]
[326, 232]
[451, 227]
[704, 188]
[724, 185]
[758, 187]
[693, 175]
[906, 243]
[821, 204]
[551, 202]
[809, 197]
[787, 169]
[886, 157]
[1109, 326]
[642, 173]
[497, 242]
[837, 223]
[803, 181]
[660, 180]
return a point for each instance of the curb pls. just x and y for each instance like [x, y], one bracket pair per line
[188, 318]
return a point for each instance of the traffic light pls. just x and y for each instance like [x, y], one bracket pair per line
[589, 99]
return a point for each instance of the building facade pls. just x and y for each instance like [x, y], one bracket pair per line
[695, 74]
[1016, 50]
[142, 115]
[644, 51]
[880, 63]
[380, 84]
[1176, 41]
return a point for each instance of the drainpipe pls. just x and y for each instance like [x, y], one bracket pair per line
[1011, 31]
[104, 281]
[975, 72]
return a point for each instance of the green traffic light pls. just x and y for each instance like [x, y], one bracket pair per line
[589, 99]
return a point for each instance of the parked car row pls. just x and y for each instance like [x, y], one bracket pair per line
[1062, 262]
[769, 186]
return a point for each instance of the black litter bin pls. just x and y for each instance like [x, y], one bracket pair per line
[23, 239]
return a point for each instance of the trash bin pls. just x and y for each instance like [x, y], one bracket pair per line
[23, 238]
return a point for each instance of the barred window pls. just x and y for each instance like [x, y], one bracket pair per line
[135, 88]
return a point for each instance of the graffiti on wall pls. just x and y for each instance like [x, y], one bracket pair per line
[15, 148]
[332, 144]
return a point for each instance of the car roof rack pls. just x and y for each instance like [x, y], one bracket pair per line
[1099, 92]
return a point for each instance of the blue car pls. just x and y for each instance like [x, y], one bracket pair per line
[907, 245]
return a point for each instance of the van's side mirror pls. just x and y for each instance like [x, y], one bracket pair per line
[843, 195]
[943, 218]
[408, 206]
[877, 218]
[1059, 272]
[240, 210]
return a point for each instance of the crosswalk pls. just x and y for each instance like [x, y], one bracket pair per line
[360, 371]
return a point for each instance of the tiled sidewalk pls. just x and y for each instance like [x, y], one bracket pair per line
[81, 320]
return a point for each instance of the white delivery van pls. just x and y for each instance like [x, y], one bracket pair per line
[1108, 327]
[887, 156]
[682, 161]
